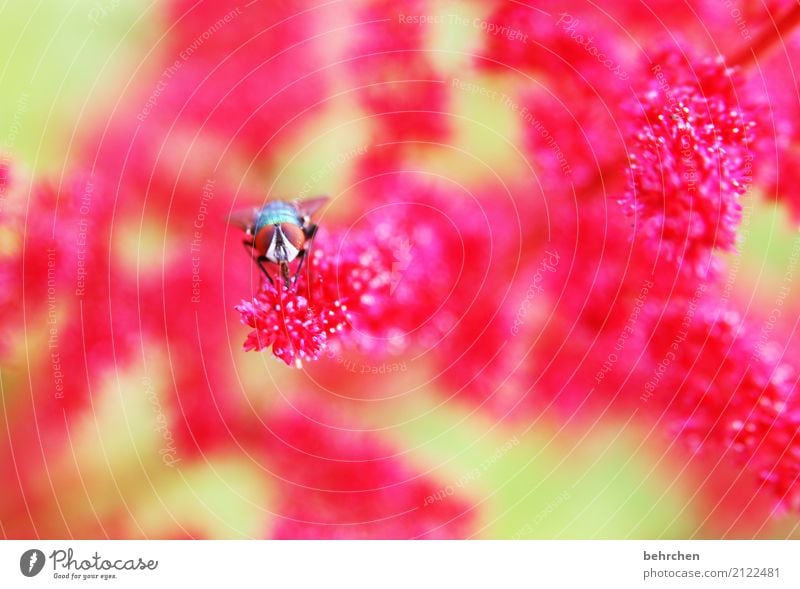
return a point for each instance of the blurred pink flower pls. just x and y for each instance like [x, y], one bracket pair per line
[338, 482]
[691, 159]
[730, 393]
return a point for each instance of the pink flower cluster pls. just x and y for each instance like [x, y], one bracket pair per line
[691, 159]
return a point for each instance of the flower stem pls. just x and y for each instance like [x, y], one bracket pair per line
[769, 37]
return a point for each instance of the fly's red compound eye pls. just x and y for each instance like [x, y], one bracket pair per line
[264, 239]
[294, 235]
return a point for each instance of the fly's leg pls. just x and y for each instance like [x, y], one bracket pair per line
[302, 257]
[309, 232]
[259, 260]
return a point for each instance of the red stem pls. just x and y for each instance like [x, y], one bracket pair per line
[768, 38]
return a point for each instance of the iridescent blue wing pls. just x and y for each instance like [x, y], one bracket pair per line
[308, 206]
[244, 218]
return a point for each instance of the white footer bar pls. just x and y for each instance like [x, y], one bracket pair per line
[406, 565]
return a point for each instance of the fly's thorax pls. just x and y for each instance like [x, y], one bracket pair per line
[277, 213]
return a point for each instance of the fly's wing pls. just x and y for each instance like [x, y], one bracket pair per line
[243, 218]
[308, 206]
